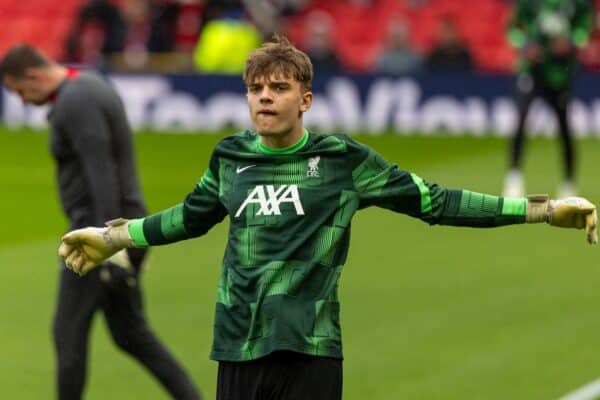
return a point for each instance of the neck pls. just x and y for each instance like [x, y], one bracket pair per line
[57, 75]
[54, 77]
[284, 140]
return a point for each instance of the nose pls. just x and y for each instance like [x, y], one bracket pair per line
[266, 96]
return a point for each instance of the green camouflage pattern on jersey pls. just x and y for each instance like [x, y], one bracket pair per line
[290, 214]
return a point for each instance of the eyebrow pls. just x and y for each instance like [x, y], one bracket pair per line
[283, 84]
[270, 82]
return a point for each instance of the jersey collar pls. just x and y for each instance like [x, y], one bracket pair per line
[286, 150]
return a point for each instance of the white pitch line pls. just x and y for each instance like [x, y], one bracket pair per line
[590, 391]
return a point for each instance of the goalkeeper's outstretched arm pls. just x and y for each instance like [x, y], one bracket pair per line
[84, 249]
[481, 210]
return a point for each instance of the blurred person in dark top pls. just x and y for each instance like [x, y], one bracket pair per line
[147, 28]
[449, 53]
[398, 57]
[96, 32]
[92, 146]
[548, 34]
[136, 28]
[320, 42]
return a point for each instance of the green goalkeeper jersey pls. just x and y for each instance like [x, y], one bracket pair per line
[541, 21]
[289, 232]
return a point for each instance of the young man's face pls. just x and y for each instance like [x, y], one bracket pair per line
[276, 105]
[29, 88]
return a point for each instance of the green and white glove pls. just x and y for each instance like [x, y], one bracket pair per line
[84, 249]
[572, 212]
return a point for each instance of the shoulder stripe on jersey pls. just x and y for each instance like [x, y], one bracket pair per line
[425, 194]
[208, 181]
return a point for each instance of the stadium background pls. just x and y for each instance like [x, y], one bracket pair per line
[428, 313]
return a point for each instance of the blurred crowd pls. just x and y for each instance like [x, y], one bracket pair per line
[218, 34]
[214, 36]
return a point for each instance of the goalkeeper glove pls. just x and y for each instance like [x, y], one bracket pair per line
[83, 249]
[572, 212]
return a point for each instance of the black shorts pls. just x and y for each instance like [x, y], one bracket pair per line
[282, 375]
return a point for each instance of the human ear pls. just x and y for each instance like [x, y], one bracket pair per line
[307, 99]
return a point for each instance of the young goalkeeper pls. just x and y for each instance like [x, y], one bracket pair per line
[290, 195]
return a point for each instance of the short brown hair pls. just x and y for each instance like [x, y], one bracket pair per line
[279, 56]
[21, 57]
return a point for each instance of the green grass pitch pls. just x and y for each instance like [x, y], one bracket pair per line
[507, 313]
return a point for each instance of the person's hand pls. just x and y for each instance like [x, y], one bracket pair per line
[575, 212]
[572, 212]
[84, 249]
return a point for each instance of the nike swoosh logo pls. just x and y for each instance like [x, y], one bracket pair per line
[239, 170]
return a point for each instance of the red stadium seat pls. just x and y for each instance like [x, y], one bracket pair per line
[44, 25]
[361, 33]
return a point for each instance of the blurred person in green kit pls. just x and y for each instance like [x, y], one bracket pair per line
[548, 34]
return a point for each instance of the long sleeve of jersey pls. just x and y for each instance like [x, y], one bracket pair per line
[583, 22]
[383, 184]
[199, 212]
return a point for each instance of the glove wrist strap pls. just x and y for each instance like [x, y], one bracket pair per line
[117, 234]
[537, 208]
